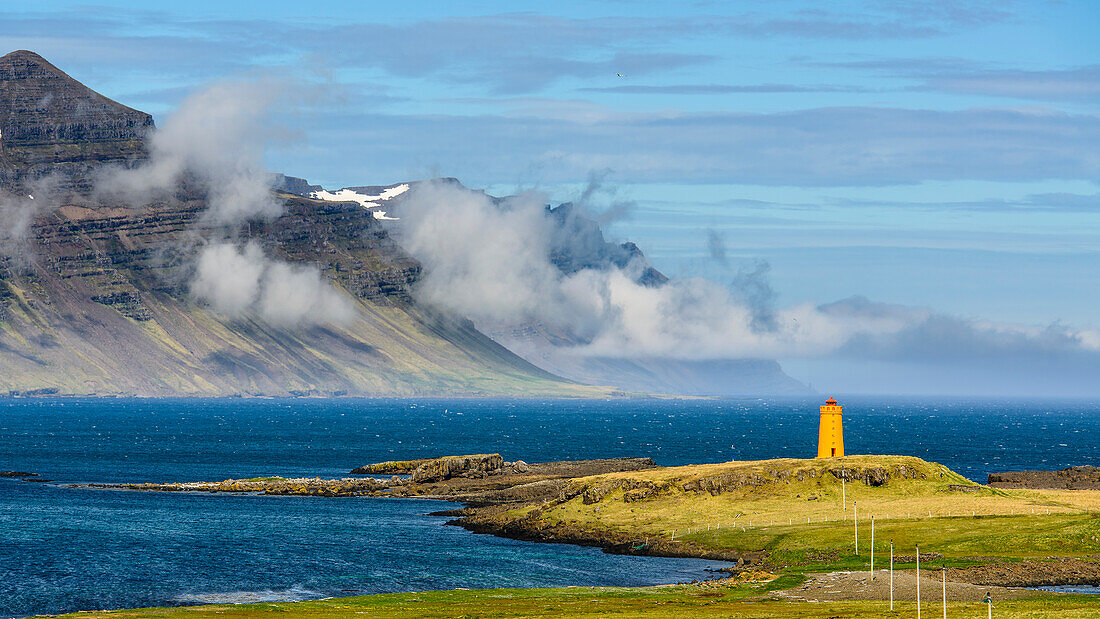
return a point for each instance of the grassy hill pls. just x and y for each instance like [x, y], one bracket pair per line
[804, 512]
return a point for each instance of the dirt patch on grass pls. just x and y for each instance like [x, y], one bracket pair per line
[837, 586]
[1031, 573]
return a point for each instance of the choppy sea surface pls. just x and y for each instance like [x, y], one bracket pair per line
[64, 549]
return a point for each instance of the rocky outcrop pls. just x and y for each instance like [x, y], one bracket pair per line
[390, 467]
[306, 486]
[964, 488]
[872, 476]
[1072, 478]
[440, 469]
[482, 479]
[579, 243]
[17, 474]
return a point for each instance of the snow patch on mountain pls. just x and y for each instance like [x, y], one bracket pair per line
[367, 201]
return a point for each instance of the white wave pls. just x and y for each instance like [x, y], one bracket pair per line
[293, 594]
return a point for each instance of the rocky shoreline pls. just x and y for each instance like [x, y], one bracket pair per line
[1071, 478]
[486, 484]
[483, 520]
[475, 480]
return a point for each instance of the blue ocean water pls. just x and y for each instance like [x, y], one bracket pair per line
[65, 549]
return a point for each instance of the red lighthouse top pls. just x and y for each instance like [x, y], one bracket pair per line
[830, 402]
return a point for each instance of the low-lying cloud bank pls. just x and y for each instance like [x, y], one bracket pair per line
[492, 261]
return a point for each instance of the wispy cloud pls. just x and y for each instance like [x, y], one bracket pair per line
[965, 76]
[213, 144]
[506, 53]
[1078, 84]
[721, 89]
[1036, 202]
[816, 147]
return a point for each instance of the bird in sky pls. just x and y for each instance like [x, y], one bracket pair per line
[620, 75]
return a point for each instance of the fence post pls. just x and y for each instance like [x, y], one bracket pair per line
[944, 570]
[918, 582]
[891, 575]
[855, 521]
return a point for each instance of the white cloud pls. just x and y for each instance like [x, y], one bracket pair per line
[216, 137]
[493, 262]
[236, 281]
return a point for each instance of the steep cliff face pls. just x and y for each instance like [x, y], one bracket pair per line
[95, 297]
[51, 123]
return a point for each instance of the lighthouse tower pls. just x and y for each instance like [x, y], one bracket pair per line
[830, 438]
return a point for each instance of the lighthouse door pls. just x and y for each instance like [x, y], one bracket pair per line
[834, 452]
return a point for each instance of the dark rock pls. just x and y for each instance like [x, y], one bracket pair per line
[962, 488]
[17, 474]
[1071, 478]
[875, 477]
[390, 467]
[447, 467]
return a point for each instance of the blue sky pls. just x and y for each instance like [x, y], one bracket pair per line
[940, 154]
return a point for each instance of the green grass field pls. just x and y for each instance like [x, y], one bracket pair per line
[672, 602]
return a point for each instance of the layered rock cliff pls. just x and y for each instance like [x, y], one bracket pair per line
[53, 124]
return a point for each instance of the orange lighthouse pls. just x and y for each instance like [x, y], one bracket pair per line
[830, 437]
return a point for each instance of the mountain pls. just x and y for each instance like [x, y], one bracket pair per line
[96, 294]
[51, 123]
